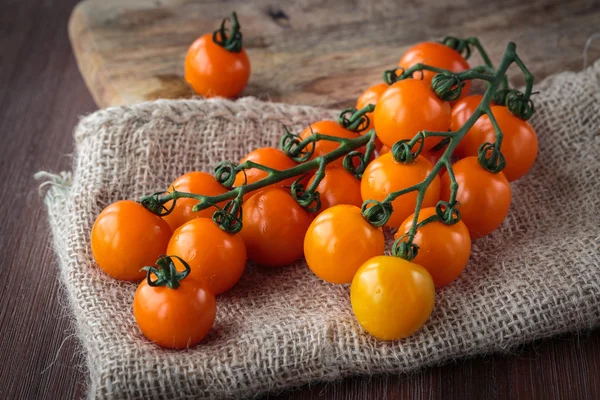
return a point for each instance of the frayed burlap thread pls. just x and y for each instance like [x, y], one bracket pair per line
[537, 276]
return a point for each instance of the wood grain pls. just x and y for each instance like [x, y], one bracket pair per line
[309, 51]
[41, 97]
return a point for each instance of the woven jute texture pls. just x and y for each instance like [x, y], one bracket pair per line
[537, 276]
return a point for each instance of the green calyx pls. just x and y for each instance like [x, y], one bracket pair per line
[166, 272]
[229, 39]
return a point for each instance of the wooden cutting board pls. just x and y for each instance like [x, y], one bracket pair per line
[312, 51]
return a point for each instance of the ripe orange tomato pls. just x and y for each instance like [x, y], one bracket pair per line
[338, 187]
[216, 257]
[322, 147]
[371, 96]
[126, 237]
[461, 112]
[384, 149]
[269, 157]
[392, 298]
[274, 225]
[519, 145]
[484, 197]
[436, 55]
[192, 182]
[175, 318]
[444, 250]
[338, 241]
[408, 107]
[213, 71]
[384, 176]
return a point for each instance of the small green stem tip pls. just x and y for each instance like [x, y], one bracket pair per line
[166, 272]
[229, 39]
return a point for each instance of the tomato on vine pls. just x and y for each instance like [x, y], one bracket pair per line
[392, 298]
[407, 107]
[322, 147]
[338, 187]
[435, 55]
[216, 65]
[216, 257]
[274, 225]
[174, 310]
[338, 241]
[192, 182]
[444, 250]
[126, 237]
[519, 145]
[484, 197]
[384, 175]
[462, 110]
[269, 157]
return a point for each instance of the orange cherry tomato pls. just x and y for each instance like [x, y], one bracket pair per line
[338, 241]
[408, 107]
[126, 237]
[322, 147]
[392, 298]
[213, 71]
[384, 176]
[274, 225]
[216, 257]
[197, 183]
[444, 250]
[519, 144]
[338, 187]
[436, 55]
[174, 318]
[269, 157]
[371, 96]
[384, 149]
[461, 112]
[484, 197]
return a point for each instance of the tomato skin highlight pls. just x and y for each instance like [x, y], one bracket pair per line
[269, 157]
[444, 250]
[175, 318]
[435, 55]
[126, 237]
[197, 183]
[216, 258]
[213, 71]
[392, 298]
[519, 144]
[484, 196]
[322, 147]
[274, 225]
[338, 187]
[338, 241]
[408, 107]
[384, 176]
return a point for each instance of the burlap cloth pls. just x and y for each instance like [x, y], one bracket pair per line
[537, 276]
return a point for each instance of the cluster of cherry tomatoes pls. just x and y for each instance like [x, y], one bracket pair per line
[392, 297]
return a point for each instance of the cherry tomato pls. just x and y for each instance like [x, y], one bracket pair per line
[519, 145]
[392, 298]
[435, 55]
[274, 225]
[384, 176]
[484, 197]
[338, 241]
[371, 96]
[322, 147]
[444, 250]
[197, 183]
[408, 107]
[216, 257]
[338, 187]
[269, 157]
[213, 71]
[461, 112]
[175, 318]
[126, 237]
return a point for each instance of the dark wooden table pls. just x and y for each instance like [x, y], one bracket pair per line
[41, 97]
